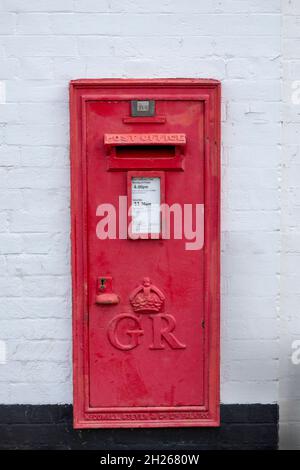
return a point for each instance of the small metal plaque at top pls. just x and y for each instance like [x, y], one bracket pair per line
[142, 108]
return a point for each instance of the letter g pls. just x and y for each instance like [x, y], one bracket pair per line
[130, 331]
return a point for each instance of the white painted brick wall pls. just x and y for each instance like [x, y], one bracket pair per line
[289, 391]
[44, 44]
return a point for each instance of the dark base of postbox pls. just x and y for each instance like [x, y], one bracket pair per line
[50, 427]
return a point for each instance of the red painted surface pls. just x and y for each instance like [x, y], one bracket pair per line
[149, 356]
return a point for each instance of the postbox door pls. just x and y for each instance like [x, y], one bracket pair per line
[147, 328]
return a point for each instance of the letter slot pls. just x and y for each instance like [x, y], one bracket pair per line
[145, 151]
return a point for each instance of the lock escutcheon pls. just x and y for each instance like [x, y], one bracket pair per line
[104, 295]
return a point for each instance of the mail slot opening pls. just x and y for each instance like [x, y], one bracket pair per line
[146, 151]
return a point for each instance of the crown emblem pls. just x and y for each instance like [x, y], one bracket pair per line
[147, 298]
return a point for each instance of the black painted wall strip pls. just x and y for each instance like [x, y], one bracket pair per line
[243, 427]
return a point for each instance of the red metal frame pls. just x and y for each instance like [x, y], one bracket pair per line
[207, 91]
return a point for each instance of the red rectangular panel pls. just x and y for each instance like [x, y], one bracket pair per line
[145, 311]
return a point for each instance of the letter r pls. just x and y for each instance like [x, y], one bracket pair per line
[164, 332]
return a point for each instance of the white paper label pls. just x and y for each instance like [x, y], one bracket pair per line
[145, 205]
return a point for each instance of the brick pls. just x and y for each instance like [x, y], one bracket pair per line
[239, 350]
[37, 329]
[294, 330]
[253, 370]
[10, 287]
[38, 91]
[111, 67]
[267, 90]
[34, 371]
[290, 436]
[35, 68]
[38, 243]
[254, 112]
[35, 307]
[42, 351]
[290, 7]
[3, 222]
[37, 265]
[44, 156]
[2, 133]
[38, 5]
[291, 133]
[292, 113]
[254, 68]
[9, 114]
[291, 69]
[85, 24]
[252, 178]
[129, 47]
[291, 47]
[165, 6]
[250, 284]
[41, 393]
[68, 68]
[39, 23]
[291, 242]
[50, 222]
[46, 113]
[40, 46]
[267, 199]
[248, 47]
[259, 392]
[291, 219]
[248, 264]
[10, 199]
[27, 134]
[7, 23]
[100, 46]
[10, 243]
[248, 243]
[92, 6]
[5, 390]
[46, 286]
[250, 6]
[44, 178]
[290, 27]
[3, 265]
[290, 410]
[3, 177]
[199, 24]
[8, 68]
[245, 329]
[289, 387]
[39, 200]
[214, 67]
[9, 156]
[292, 173]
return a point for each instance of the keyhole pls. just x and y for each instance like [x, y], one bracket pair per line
[102, 283]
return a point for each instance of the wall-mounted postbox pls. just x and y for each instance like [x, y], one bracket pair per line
[145, 252]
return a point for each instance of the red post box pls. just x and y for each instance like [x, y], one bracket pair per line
[145, 252]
